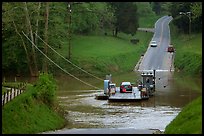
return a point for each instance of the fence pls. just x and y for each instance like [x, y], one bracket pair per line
[13, 92]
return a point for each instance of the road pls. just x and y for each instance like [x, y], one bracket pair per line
[157, 57]
[105, 131]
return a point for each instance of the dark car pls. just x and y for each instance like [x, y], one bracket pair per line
[125, 87]
[170, 49]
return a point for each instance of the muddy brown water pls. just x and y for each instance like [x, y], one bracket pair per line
[84, 111]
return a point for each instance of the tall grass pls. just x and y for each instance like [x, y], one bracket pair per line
[188, 52]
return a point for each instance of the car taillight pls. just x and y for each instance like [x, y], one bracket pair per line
[129, 86]
[121, 86]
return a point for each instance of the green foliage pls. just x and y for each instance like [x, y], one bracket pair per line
[156, 7]
[188, 57]
[144, 9]
[188, 121]
[196, 9]
[86, 18]
[105, 54]
[126, 17]
[27, 115]
[45, 89]
[182, 21]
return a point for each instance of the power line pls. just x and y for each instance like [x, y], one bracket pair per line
[59, 66]
[69, 61]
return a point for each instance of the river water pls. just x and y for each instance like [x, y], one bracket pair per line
[84, 111]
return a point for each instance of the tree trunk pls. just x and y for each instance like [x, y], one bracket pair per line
[116, 32]
[26, 51]
[38, 11]
[46, 36]
[32, 39]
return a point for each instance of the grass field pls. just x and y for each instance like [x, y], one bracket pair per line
[103, 55]
[188, 53]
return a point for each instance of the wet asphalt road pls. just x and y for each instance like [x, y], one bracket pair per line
[105, 131]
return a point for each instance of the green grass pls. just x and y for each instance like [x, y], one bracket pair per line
[3, 90]
[188, 53]
[11, 84]
[188, 121]
[189, 62]
[102, 55]
[26, 115]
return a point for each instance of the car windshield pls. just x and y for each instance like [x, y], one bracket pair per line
[153, 42]
[126, 83]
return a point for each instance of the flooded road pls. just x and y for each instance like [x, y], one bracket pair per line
[84, 111]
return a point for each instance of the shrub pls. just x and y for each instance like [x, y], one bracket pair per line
[44, 89]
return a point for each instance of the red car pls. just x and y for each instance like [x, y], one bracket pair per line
[170, 49]
[125, 87]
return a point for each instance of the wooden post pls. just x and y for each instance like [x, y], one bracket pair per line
[14, 92]
[7, 95]
[10, 94]
[4, 98]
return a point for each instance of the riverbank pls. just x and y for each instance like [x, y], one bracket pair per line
[188, 63]
[33, 111]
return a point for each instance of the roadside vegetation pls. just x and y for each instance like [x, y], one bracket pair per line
[188, 65]
[36, 110]
[188, 53]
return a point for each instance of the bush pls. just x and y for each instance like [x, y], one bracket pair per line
[44, 89]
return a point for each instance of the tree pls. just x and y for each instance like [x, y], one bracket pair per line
[13, 24]
[29, 29]
[196, 9]
[46, 36]
[156, 7]
[182, 21]
[126, 17]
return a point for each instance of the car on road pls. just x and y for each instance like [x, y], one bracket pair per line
[153, 44]
[170, 49]
[125, 87]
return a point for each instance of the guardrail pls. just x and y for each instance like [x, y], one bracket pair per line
[13, 92]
